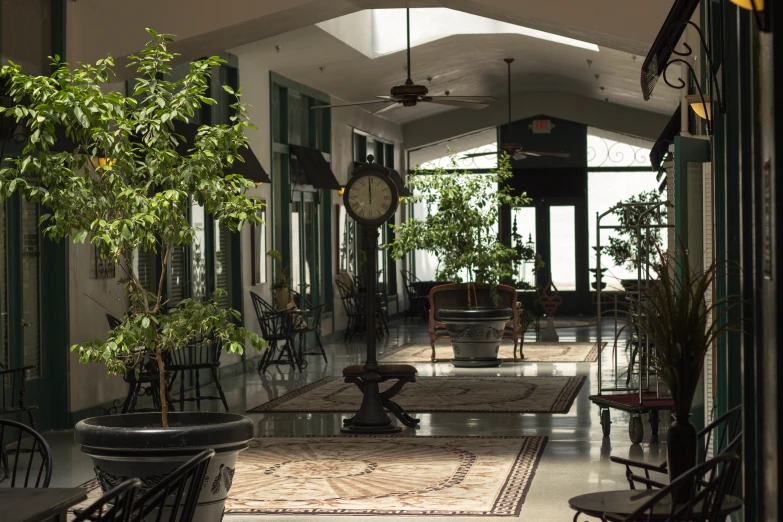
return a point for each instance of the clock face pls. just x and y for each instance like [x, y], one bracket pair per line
[370, 197]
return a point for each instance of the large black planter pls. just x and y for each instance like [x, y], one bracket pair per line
[475, 334]
[134, 445]
[681, 442]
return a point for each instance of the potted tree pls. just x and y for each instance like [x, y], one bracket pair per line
[674, 311]
[460, 230]
[125, 182]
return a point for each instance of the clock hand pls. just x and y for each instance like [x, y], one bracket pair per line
[370, 184]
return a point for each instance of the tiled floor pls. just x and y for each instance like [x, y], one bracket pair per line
[575, 461]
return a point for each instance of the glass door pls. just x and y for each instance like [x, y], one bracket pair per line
[305, 253]
[562, 247]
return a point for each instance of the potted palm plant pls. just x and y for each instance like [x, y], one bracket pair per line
[674, 310]
[126, 182]
[460, 230]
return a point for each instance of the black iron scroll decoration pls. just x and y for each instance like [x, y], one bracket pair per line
[681, 84]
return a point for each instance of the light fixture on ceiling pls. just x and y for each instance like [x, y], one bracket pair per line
[701, 106]
[757, 6]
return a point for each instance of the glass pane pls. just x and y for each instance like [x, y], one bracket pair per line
[198, 260]
[298, 119]
[308, 245]
[146, 270]
[523, 224]
[562, 240]
[259, 249]
[604, 190]
[31, 265]
[296, 218]
[176, 276]
[223, 263]
[4, 350]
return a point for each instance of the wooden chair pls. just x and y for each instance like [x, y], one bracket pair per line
[456, 296]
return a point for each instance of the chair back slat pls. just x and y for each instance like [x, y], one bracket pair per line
[184, 484]
[115, 506]
[26, 459]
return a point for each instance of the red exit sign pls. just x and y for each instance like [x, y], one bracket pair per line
[542, 126]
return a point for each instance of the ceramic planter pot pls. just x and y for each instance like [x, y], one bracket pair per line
[134, 445]
[475, 334]
[681, 444]
[281, 298]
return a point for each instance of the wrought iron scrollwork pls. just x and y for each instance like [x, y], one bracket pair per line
[709, 100]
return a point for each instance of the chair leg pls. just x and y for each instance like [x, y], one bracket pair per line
[321, 346]
[219, 388]
[432, 357]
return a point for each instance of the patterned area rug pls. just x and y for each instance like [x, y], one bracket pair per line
[431, 394]
[347, 475]
[534, 352]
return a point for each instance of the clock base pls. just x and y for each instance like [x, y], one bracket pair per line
[371, 430]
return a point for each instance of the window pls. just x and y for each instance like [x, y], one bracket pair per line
[440, 154]
[259, 250]
[562, 241]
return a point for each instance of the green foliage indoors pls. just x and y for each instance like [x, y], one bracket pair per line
[624, 249]
[673, 311]
[459, 228]
[124, 184]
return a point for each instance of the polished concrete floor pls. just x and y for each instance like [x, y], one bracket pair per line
[575, 461]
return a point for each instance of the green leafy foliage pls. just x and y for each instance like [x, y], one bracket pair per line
[125, 185]
[625, 249]
[459, 228]
[673, 311]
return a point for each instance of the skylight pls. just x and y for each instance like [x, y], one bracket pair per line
[386, 34]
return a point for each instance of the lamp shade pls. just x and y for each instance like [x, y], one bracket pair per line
[702, 107]
[747, 4]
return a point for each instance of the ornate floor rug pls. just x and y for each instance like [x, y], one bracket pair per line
[438, 394]
[534, 352]
[348, 475]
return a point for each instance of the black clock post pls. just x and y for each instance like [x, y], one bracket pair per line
[372, 416]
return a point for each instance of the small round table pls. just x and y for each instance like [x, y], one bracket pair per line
[626, 501]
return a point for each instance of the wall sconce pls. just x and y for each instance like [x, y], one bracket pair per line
[757, 6]
[702, 103]
[341, 191]
[702, 107]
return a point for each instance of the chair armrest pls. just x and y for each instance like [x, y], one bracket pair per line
[647, 482]
[659, 468]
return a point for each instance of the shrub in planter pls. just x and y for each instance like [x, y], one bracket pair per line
[126, 181]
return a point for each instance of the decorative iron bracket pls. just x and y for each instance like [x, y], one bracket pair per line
[716, 94]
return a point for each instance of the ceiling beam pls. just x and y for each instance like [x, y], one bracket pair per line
[580, 109]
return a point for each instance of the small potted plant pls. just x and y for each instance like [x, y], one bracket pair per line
[280, 284]
[460, 231]
[126, 183]
[673, 311]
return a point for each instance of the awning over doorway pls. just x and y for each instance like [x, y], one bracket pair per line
[314, 169]
[661, 147]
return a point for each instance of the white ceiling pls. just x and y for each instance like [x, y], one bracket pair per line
[464, 65]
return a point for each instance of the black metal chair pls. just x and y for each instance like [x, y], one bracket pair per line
[311, 324]
[277, 329]
[115, 506]
[354, 309]
[147, 382]
[418, 303]
[705, 487]
[174, 498]
[12, 391]
[25, 458]
[201, 354]
[716, 436]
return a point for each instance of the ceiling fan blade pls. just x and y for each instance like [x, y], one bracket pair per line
[384, 109]
[465, 98]
[479, 154]
[550, 154]
[460, 104]
[368, 102]
[519, 156]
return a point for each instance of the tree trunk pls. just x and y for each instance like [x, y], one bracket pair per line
[164, 406]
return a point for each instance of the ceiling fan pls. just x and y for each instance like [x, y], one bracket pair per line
[515, 150]
[410, 95]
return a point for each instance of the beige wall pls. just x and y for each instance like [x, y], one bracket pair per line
[90, 300]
